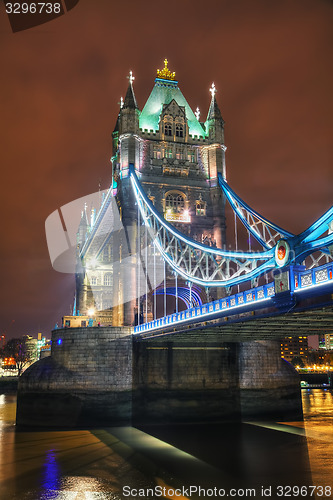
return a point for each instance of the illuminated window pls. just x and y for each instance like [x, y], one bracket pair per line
[179, 154]
[107, 279]
[157, 153]
[179, 130]
[168, 153]
[191, 156]
[168, 129]
[175, 208]
[175, 202]
[93, 280]
[200, 208]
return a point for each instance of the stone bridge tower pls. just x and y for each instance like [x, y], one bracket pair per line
[177, 158]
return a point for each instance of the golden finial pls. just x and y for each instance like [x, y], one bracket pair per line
[165, 73]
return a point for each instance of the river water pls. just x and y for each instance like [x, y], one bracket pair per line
[248, 460]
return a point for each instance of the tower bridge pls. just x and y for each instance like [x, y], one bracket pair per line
[181, 327]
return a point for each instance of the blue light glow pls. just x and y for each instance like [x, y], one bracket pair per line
[51, 475]
[222, 307]
[183, 294]
[59, 342]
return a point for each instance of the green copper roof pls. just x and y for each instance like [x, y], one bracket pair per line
[163, 92]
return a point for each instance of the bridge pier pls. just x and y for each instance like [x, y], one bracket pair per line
[269, 386]
[105, 376]
[177, 382]
[87, 380]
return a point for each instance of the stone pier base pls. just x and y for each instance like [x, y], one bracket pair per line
[87, 380]
[269, 386]
[103, 377]
[175, 382]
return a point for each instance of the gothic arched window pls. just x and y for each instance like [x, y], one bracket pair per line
[200, 207]
[107, 279]
[179, 130]
[175, 201]
[168, 129]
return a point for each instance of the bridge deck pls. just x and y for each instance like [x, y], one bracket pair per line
[247, 327]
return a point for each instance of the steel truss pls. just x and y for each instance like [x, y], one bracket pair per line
[214, 267]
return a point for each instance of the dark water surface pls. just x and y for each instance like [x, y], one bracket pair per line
[250, 460]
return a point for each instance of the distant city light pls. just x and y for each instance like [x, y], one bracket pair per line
[91, 311]
[59, 341]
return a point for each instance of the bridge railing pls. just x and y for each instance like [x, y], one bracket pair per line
[258, 297]
[242, 301]
[310, 278]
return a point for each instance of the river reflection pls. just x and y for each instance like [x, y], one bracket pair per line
[318, 422]
[118, 463]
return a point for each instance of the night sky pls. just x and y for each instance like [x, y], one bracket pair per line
[61, 83]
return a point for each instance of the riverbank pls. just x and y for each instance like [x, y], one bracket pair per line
[316, 380]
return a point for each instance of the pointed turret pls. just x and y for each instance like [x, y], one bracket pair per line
[129, 111]
[214, 112]
[215, 123]
[130, 101]
[83, 227]
[116, 127]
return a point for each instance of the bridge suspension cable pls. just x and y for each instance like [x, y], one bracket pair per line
[316, 238]
[264, 231]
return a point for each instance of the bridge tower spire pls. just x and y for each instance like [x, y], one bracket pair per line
[214, 126]
[126, 146]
